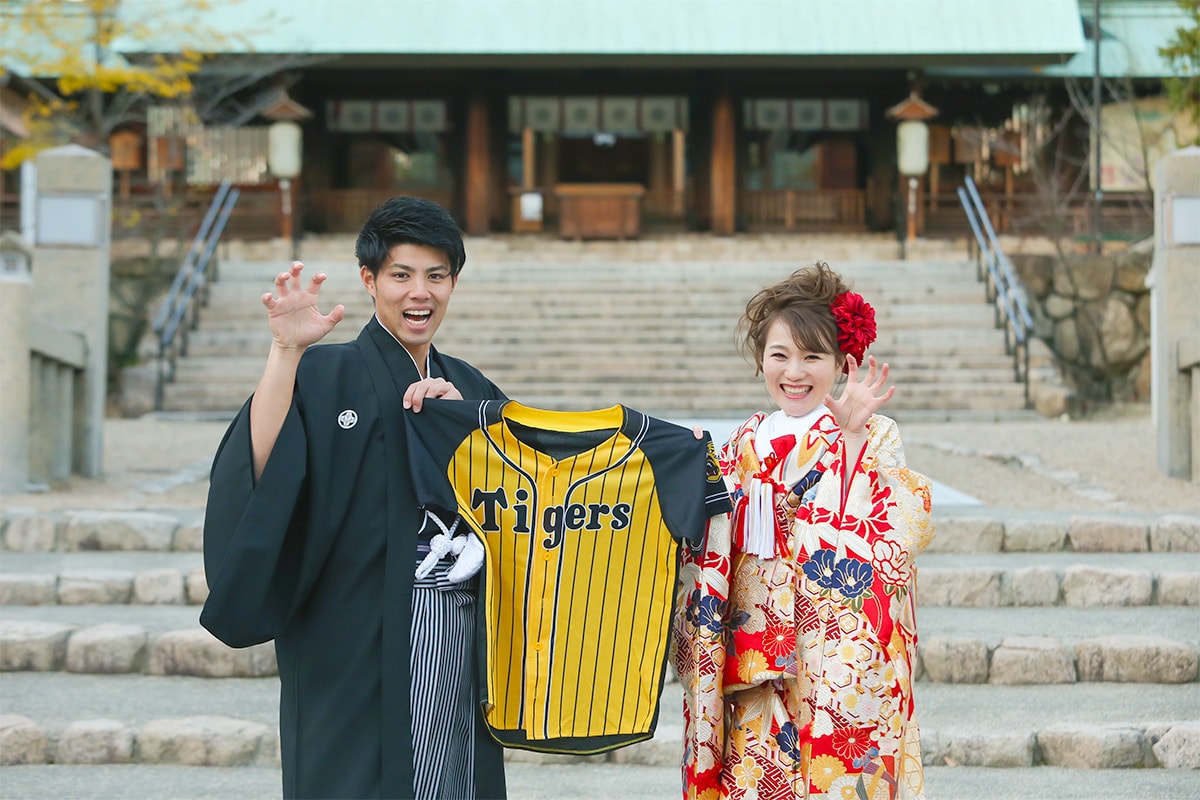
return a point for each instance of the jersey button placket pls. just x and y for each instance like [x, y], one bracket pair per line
[536, 679]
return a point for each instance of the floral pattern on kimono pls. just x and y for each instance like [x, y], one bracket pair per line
[797, 668]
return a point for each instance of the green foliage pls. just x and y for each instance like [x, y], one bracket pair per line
[1182, 53]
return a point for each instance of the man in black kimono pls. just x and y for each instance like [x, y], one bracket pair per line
[312, 533]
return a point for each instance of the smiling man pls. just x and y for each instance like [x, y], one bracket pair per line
[313, 537]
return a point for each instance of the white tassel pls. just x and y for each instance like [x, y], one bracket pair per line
[760, 533]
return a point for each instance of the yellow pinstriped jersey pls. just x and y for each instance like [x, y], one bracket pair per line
[581, 515]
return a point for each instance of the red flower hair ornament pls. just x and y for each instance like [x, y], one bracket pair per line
[855, 320]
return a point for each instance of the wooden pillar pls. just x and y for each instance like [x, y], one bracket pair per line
[678, 171]
[724, 179]
[478, 172]
[528, 158]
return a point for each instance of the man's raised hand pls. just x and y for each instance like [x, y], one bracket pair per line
[293, 316]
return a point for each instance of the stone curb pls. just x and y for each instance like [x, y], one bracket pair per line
[113, 649]
[24, 530]
[961, 587]
[1040, 660]
[163, 586]
[1077, 586]
[200, 741]
[228, 742]
[1099, 533]
[1032, 660]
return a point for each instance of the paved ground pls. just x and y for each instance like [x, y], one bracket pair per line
[1105, 463]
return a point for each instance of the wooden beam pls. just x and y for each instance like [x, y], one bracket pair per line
[724, 176]
[478, 177]
[528, 158]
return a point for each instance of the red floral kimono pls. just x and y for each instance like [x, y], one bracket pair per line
[797, 667]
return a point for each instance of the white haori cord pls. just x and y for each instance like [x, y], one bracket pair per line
[760, 521]
[467, 548]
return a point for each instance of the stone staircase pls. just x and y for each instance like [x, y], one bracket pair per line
[579, 328]
[1060, 657]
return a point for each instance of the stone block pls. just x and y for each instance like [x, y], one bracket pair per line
[159, 587]
[1107, 535]
[21, 741]
[31, 533]
[999, 750]
[1091, 747]
[954, 660]
[195, 651]
[1179, 747]
[204, 741]
[32, 646]
[1034, 536]
[967, 535]
[664, 750]
[189, 538]
[1179, 589]
[1031, 586]
[1136, 659]
[1084, 586]
[108, 648]
[1175, 533]
[1032, 660]
[197, 587]
[958, 587]
[95, 741]
[17, 589]
[95, 587]
[119, 530]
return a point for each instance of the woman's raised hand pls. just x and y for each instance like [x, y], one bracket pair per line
[862, 395]
[293, 316]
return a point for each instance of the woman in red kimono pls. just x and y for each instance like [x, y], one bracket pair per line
[796, 635]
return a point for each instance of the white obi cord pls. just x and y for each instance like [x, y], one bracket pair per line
[467, 549]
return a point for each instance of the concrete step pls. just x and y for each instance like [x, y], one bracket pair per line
[1091, 726]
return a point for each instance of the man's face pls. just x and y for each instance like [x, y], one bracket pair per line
[411, 292]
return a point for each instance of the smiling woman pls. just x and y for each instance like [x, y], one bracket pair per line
[798, 631]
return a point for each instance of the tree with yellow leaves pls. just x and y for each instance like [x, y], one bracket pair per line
[99, 63]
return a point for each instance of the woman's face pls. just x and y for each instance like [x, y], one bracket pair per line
[798, 380]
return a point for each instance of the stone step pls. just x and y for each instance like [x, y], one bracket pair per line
[902, 369]
[1088, 726]
[958, 645]
[581, 781]
[977, 530]
[986, 581]
[585, 342]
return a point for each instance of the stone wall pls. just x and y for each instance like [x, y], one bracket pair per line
[1093, 312]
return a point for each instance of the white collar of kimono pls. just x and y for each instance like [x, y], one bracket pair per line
[405, 349]
[780, 424]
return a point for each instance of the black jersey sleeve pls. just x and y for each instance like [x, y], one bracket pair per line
[690, 488]
[434, 435]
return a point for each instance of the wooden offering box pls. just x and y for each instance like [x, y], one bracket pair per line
[599, 210]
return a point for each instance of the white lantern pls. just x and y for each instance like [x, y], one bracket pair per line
[284, 149]
[912, 147]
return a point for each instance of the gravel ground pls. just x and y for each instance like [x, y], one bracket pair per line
[1106, 462]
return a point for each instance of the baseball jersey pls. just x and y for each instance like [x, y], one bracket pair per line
[581, 515]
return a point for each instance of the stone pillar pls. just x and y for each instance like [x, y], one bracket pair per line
[71, 278]
[1175, 313]
[14, 379]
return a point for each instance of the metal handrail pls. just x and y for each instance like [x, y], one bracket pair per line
[1004, 290]
[190, 279]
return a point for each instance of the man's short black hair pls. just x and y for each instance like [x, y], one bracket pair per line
[409, 220]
